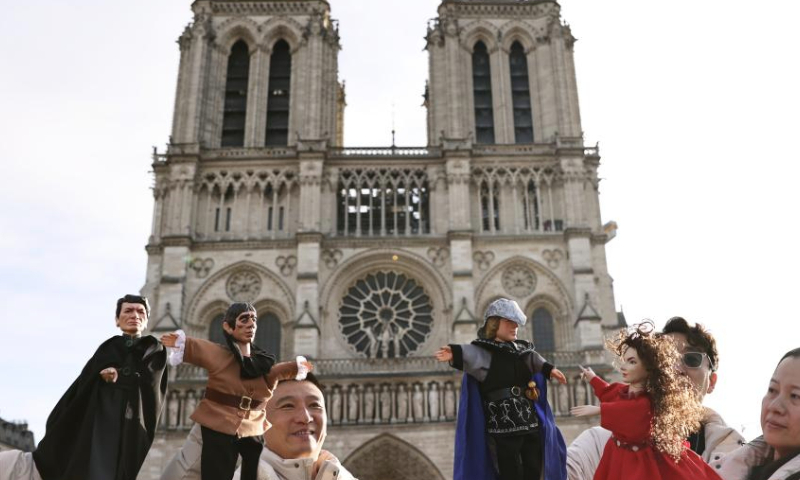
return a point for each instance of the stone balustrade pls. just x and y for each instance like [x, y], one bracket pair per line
[368, 391]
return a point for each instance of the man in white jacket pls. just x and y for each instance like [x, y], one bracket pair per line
[700, 360]
[293, 444]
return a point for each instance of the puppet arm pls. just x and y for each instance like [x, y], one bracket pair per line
[296, 370]
[176, 342]
[471, 359]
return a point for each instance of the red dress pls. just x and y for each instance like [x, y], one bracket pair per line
[628, 455]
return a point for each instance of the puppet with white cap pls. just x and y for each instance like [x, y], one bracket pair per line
[505, 427]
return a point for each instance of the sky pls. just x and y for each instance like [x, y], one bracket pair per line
[694, 105]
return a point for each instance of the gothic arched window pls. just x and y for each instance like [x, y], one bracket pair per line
[520, 95]
[530, 206]
[268, 334]
[490, 206]
[543, 330]
[280, 72]
[215, 332]
[233, 118]
[482, 93]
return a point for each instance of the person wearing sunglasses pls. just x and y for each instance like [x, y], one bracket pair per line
[699, 362]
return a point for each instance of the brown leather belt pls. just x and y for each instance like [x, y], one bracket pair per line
[242, 402]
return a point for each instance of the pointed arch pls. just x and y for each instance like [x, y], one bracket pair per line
[390, 458]
[234, 112]
[479, 30]
[281, 28]
[236, 29]
[213, 292]
[558, 293]
[517, 31]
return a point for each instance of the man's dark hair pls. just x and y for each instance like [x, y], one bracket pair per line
[791, 354]
[696, 336]
[312, 379]
[236, 309]
[133, 299]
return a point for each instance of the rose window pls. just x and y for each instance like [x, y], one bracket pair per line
[385, 315]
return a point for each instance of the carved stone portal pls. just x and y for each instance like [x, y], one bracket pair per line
[389, 458]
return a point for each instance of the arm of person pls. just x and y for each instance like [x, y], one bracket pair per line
[584, 453]
[203, 353]
[537, 364]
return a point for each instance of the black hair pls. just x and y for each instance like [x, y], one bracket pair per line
[310, 378]
[133, 299]
[236, 309]
[697, 336]
[795, 353]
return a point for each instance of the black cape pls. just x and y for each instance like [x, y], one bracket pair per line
[103, 431]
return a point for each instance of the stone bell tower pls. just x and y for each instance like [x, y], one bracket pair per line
[502, 86]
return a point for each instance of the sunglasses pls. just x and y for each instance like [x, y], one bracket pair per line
[695, 360]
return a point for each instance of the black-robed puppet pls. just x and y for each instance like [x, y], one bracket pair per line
[103, 426]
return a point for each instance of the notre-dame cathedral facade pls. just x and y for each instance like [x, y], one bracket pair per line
[366, 260]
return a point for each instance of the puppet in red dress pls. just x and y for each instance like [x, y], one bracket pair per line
[649, 415]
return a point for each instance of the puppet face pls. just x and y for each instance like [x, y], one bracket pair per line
[297, 414]
[703, 378]
[132, 318]
[632, 368]
[780, 408]
[244, 330]
[506, 331]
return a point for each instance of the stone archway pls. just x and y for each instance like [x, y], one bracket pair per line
[386, 457]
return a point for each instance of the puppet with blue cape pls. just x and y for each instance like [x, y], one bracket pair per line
[473, 460]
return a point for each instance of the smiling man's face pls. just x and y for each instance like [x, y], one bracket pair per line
[297, 414]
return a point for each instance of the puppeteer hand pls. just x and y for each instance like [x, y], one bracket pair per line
[585, 410]
[169, 339]
[587, 373]
[558, 375]
[109, 375]
[323, 456]
[444, 354]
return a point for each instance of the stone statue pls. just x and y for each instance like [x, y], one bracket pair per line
[189, 404]
[352, 404]
[449, 401]
[386, 403]
[336, 405]
[417, 400]
[433, 400]
[402, 404]
[369, 405]
[172, 410]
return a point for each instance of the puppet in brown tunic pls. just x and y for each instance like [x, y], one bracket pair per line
[241, 378]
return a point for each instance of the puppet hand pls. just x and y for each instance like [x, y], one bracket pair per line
[323, 456]
[109, 375]
[558, 375]
[587, 373]
[169, 339]
[585, 410]
[445, 354]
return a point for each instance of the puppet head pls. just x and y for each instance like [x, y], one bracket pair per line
[132, 314]
[240, 322]
[501, 309]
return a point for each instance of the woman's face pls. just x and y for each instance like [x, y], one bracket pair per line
[780, 408]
